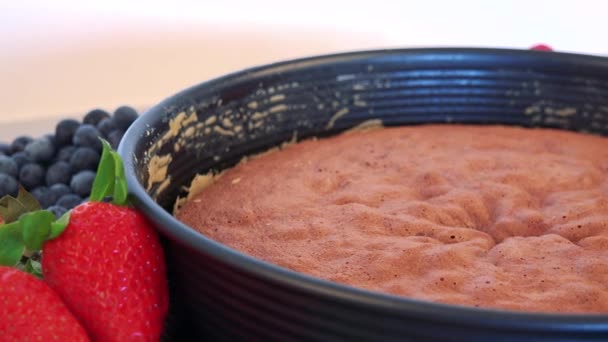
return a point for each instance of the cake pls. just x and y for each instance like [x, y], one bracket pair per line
[485, 216]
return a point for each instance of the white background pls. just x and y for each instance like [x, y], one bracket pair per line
[60, 58]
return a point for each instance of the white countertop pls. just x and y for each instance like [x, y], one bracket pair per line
[64, 57]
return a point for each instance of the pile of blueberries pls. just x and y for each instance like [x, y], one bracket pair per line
[59, 169]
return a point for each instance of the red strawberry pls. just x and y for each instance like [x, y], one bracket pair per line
[541, 47]
[109, 269]
[31, 311]
[108, 266]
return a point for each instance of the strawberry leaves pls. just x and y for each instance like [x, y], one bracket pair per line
[11, 208]
[29, 233]
[26, 230]
[120, 184]
[58, 226]
[110, 179]
[104, 180]
[36, 228]
[25, 225]
[11, 244]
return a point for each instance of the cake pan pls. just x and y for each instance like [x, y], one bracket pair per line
[220, 293]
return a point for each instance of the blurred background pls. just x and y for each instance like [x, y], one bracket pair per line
[61, 58]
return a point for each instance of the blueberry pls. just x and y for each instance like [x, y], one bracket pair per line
[114, 138]
[8, 185]
[124, 117]
[95, 116]
[8, 166]
[84, 158]
[40, 150]
[19, 143]
[106, 126]
[60, 172]
[65, 153]
[55, 192]
[5, 149]
[87, 136]
[44, 196]
[21, 159]
[82, 182]
[48, 196]
[69, 201]
[31, 175]
[58, 211]
[59, 190]
[64, 131]
[51, 138]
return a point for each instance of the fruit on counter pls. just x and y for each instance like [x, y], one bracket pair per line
[84, 158]
[124, 117]
[87, 136]
[104, 260]
[21, 159]
[69, 201]
[19, 144]
[32, 311]
[58, 173]
[40, 150]
[124, 259]
[95, 116]
[8, 184]
[8, 166]
[81, 182]
[57, 211]
[121, 293]
[59, 157]
[31, 175]
[114, 137]
[107, 125]
[64, 131]
[5, 148]
[44, 196]
[542, 47]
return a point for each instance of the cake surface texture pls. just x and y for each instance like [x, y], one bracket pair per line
[486, 216]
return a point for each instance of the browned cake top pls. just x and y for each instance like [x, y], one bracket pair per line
[485, 216]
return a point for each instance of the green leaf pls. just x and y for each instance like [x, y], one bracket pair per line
[11, 208]
[28, 200]
[33, 267]
[110, 179]
[36, 228]
[58, 226]
[103, 184]
[120, 182]
[11, 244]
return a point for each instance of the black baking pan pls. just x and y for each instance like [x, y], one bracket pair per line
[220, 293]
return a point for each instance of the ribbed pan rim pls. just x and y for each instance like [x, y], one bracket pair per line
[468, 316]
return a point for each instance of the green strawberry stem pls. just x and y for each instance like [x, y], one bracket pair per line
[110, 180]
[27, 227]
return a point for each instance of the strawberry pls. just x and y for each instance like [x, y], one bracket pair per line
[108, 265]
[541, 47]
[104, 260]
[31, 311]
[121, 294]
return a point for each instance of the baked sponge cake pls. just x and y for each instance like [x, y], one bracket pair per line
[485, 216]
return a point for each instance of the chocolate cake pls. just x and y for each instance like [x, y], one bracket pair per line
[486, 216]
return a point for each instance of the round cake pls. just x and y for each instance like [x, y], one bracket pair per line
[485, 216]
